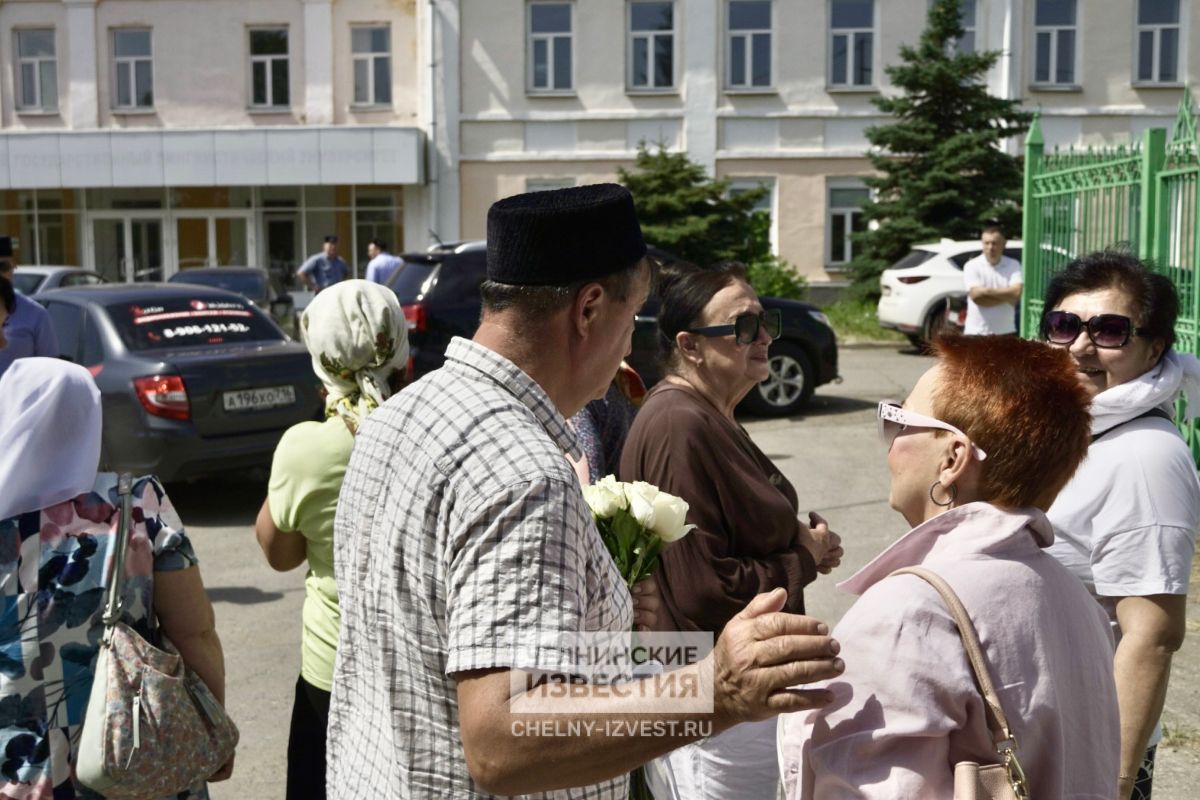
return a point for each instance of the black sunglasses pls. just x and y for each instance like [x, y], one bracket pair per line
[746, 326]
[1108, 331]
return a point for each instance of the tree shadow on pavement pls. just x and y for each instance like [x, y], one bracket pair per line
[242, 595]
[826, 405]
[220, 502]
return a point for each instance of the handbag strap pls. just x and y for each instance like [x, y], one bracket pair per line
[997, 721]
[113, 600]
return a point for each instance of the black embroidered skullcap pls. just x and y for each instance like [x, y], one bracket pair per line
[6, 247]
[562, 236]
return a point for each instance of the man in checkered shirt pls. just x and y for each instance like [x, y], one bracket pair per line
[462, 539]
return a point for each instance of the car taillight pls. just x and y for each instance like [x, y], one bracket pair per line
[414, 315]
[163, 396]
[914, 279]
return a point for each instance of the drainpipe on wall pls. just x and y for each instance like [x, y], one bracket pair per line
[432, 149]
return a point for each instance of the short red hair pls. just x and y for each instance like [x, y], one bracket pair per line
[1022, 403]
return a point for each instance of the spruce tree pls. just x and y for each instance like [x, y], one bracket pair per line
[684, 211]
[943, 173]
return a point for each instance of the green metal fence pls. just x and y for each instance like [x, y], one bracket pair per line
[1145, 197]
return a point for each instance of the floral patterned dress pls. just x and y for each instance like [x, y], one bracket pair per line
[53, 569]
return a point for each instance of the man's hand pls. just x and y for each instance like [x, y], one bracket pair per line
[647, 605]
[824, 545]
[762, 653]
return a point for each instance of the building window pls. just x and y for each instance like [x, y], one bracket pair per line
[548, 184]
[852, 43]
[1054, 42]
[967, 8]
[372, 50]
[764, 208]
[651, 45]
[133, 71]
[1158, 41]
[846, 199]
[37, 71]
[550, 47]
[749, 44]
[269, 68]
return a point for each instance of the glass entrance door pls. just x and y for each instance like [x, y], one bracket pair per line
[128, 248]
[213, 240]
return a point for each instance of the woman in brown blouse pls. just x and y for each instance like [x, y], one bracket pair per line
[714, 335]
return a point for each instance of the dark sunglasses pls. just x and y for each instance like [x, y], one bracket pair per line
[746, 326]
[1108, 331]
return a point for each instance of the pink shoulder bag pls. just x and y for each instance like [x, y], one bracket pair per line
[973, 781]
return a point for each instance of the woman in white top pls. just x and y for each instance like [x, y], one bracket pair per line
[1126, 523]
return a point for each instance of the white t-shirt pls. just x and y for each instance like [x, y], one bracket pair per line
[991, 319]
[1126, 522]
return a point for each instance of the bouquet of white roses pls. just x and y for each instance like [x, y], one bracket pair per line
[635, 521]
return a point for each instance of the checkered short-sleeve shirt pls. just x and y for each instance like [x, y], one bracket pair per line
[461, 537]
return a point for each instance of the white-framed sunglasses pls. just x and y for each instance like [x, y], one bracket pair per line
[893, 419]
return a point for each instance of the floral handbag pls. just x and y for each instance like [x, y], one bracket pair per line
[152, 728]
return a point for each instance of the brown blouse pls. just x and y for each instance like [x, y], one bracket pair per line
[747, 538]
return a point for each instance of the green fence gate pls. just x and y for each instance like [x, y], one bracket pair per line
[1144, 197]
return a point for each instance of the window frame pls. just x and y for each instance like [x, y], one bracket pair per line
[849, 85]
[973, 30]
[1054, 31]
[267, 60]
[849, 182]
[1156, 30]
[741, 183]
[131, 62]
[39, 106]
[651, 36]
[370, 57]
[549, 38]
[749, 87]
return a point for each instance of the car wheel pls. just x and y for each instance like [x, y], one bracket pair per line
[789, 385]
[935, 323]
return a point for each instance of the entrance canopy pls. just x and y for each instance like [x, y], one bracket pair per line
[361, 155]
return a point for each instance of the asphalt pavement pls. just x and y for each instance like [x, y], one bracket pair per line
[830, 453]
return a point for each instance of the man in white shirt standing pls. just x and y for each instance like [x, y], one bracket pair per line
[382, 263]
[994, 283]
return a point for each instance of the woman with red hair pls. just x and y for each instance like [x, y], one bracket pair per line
[977, 453]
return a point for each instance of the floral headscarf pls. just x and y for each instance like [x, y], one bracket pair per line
[357, 335]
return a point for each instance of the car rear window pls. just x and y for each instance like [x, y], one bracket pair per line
[409, 281]
[915, 258]
[189, 322]
[247, 284]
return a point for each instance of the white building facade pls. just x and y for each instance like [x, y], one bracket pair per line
[141, 137]
[774, 92]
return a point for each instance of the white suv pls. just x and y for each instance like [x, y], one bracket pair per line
[915, 289]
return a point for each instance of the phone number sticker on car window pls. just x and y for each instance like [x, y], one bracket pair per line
[205, 330]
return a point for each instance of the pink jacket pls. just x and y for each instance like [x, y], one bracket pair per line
[907, 709]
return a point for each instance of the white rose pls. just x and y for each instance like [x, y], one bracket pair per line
[605, 497]
[641, 502]
[670, 514]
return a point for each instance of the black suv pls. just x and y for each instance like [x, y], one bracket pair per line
[439, 291]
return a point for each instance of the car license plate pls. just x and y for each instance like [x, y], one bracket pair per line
[258, 399]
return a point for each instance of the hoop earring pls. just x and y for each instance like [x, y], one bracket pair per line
[948, 503]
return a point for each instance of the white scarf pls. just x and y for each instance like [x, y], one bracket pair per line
[1158, 387]
[358, 337]
[49, 434]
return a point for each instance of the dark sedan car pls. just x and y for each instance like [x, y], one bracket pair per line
[193, 380]
[439, 291]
